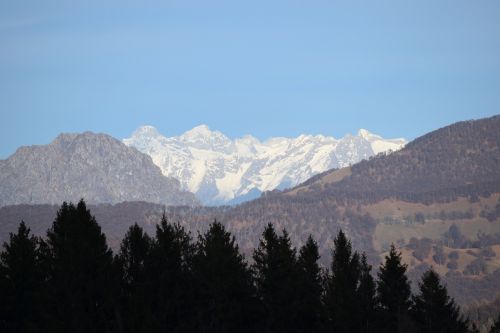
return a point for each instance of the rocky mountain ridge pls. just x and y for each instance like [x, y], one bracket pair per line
[97, 167]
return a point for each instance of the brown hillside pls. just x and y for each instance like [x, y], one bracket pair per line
[461, 160]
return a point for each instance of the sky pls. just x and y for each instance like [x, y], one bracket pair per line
[267, 68]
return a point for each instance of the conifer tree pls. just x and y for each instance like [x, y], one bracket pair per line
[81, 287]
[170, 285]
[134, 252]
[309, 288]
[226, 294]
[393, 292]
[433, 309]
[366, 297]
[277, 280]
[21, 279]
[341, 303]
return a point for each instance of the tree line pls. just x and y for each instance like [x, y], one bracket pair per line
[70, 281]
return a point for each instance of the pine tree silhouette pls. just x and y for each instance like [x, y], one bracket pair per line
[309, 288]
[170, 284]
[366, 297]
[227, 297]
[277, 280]
[21, 279]
[134, 251]
[341, 303]
[433, 309]
[81, 287]
[393, 292]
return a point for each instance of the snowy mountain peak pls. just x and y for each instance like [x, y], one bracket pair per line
[220, 170]
[146, 131]
[248, 139]
[365, 134]
[203, 138]
[200, 130]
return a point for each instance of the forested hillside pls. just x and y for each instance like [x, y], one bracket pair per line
[460, 160]
[70, 281]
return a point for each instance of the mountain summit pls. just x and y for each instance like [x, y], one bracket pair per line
[220, 170]
[97, 167]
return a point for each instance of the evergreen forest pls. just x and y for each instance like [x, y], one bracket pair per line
[173, 281]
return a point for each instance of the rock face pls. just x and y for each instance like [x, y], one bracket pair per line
[220, 170]
[92, 166]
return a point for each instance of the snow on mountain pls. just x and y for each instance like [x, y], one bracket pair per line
[379, 144]
[220, 170]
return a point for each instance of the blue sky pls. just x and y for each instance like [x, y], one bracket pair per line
[268, 68]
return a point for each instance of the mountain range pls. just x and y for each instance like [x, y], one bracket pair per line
[437, 199]
[220, 170]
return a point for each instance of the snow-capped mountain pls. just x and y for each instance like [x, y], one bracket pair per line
[221, 170]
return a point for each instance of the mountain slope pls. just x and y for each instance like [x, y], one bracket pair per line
[220, 170]
[460, 160]
[96, 167]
